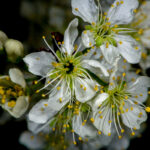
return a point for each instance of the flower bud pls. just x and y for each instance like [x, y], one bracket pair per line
[14, 49]
[3, 37]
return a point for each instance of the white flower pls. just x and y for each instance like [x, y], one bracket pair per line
[141, 23]
[66, 73]
[12, 93]
[121, 103]
[106, 31]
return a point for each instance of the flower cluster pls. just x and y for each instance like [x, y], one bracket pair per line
[87, 86]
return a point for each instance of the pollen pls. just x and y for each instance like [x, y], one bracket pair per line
[107, 45]
[121, 2]
[58, 88]
[126, 97]
[43, 95]
[60, 100]
[80, 139]
[99, 132]
[96, 88]
[119, 136]
[109, 134]
[84, 88]
[74, 142]
[147, 109]
[92, 120]
[133, 133]
[85, 32]
[124, 74]
[120, 42]
[76, 9]
[45, 105]
[122, 130]
[101, 117]
[43, 37]
[135, 10]
[11, 104]
[93, 23]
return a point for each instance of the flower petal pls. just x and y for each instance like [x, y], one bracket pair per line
[70, 36]
[20, 108]
[86, 9]
[31, 141]
[42, 112]
[140, 88]
[84, 131]
[84, 89]
[96, 67]
[17, 77]
[129, 48]
[132, 118]
[110, 53]
[87, 38]
[122, 13]
[39, 63]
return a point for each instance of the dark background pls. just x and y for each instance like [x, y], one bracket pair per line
[17, 27]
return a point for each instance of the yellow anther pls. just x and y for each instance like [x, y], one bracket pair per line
[99, 132]
[122, 130]
[58, 88]
[109, 121]
[113, 78]
[144, 55]
[35, 82]
[53, 36]
[117, 3]
[111, 83]
[83, 123]
[60, 100]
[55, 64]
[141, 94]
[119, 136]
[135, 102]
[93, 23]
[112, 5]
[138, 71]
[107, 44]
[136, 96]
[3, 101]
[147, 109]
[124, 74]
[80, 139]
[42, 109]
[85, 32]
[120, 42]
[109, 134]
[96, 88]
[124, 61]
[140, 31]
[116, 26]
[108, 23]
[84, 88]
[121, 2]
[126, 97]
[43, 37]
[118, 113]
[72, 131]
[32, 137]
[63, 42]
[113, 106]
[135, 10]
[45, 105]
[133, 133]
[134, 128]
[11, 104]
[101, 117]
[100, 112]
[131, 108]
[90, 44]
[136, 48]
[64, 131]
[127, 109]
[64, 125]
[92, 120]
[76, 9]
[74, 142]
[43, 95]
[105, 13]
[59, 43]
[148, 92]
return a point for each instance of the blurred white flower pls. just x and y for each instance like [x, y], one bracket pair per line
[14, 49]
[12, 93]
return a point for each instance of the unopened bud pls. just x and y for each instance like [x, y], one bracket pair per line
[14, 49]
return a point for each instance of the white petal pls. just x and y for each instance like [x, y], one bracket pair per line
[37, 128]
[103, 124]
[42, 112]
[122, 13]
[128, 48]
[86, 92]
[87, 38]
[95, 67]
[140, 86]
[31, 141]
[84, 131]
[110, 53]
[99, 99]
[17, 77]
[86, 9]
[131, 118]
[39, 63]
[20, 108]
[70, 36]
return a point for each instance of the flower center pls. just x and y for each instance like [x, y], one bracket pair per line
[69, 67]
